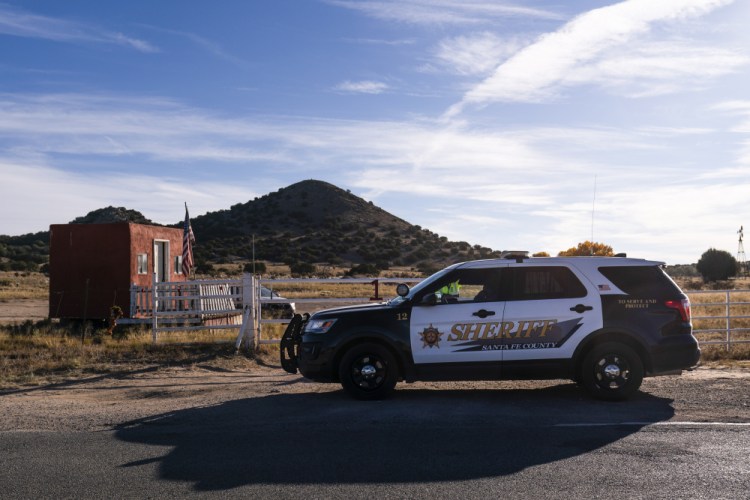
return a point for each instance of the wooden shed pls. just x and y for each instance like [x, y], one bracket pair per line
[92, 266]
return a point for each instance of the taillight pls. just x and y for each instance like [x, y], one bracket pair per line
[683, 306]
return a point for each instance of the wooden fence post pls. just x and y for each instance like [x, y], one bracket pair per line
[248, 292]
[256, 312]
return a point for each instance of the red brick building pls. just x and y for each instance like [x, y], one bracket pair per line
[92, 266]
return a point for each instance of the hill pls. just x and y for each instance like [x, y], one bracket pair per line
[316, 222]
[308, 222]
[29, 252]
[113, 214]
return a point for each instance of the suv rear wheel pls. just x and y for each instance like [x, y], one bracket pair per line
[368, 371]
[612, 371]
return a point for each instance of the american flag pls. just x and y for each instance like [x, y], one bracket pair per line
[188, 238]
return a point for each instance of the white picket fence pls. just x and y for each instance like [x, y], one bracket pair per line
[228, 304]
[237, 303]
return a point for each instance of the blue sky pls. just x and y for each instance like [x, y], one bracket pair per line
[527, 125]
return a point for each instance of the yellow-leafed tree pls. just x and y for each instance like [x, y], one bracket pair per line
[588, 248]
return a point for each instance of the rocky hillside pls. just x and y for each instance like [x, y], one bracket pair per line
[29, 252]
[311, 222]
[317, 222]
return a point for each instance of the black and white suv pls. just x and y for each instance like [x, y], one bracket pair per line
[604, 322]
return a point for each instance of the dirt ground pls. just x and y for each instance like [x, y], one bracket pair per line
[102, 402]
[19, 310]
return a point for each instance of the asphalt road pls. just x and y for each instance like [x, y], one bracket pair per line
[548, 443]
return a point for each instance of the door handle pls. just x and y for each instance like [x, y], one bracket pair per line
[483, 313]
[579, 308]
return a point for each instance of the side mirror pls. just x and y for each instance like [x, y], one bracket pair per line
[402, 289]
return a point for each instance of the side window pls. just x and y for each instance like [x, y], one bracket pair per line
[142, 263]
[641, 281]
[551, 282]
[178, 264]
[473, 285]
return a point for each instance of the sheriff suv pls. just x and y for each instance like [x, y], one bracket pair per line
[604, 322]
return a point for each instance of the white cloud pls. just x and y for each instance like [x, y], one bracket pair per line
[42, 195]
[162, 130]
[741, 110]
[362, 87]
[113, 126]
[475, 54]
[525, 188]
[442, 11]
[537, 72]
[648, 69]
[17, 22]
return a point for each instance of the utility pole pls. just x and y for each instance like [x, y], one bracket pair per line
[741, 259]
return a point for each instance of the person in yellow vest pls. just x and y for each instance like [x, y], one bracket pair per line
[450, 292]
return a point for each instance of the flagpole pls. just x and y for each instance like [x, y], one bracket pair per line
[191, 274]
[188, 261]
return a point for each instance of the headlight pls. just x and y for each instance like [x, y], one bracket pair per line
[319, 325]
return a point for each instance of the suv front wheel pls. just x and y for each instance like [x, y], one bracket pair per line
[368, 371]
[612, 371]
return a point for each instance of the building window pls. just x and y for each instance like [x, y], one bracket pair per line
[178, 264]
[142, 263]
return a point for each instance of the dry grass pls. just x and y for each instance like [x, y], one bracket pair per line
[331, 290]
[45, 353]
[738, 355]
[23, 285]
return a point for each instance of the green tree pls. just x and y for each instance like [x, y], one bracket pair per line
[715, 265]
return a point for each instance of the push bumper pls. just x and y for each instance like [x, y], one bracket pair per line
[307, 358]
[289, 346]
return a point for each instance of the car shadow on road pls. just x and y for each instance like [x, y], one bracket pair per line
[417, 436]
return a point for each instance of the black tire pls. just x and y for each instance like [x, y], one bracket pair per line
[612, 371]
[368, 371]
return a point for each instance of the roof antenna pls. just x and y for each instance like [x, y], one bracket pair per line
[593, 210]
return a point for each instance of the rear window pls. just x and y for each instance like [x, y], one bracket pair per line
[641, 281]
[539, 283]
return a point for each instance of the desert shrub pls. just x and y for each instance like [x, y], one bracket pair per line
[206, 268]
[364, 269]
[260, 267]
[302, 269]
[426, 269]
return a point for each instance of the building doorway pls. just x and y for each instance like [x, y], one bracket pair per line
[161, 260]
